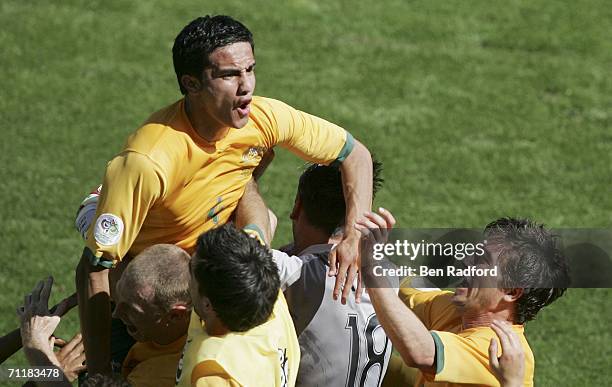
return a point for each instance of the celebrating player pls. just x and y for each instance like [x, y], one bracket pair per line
[241, 333]
[340, 344]
[153, 301]
[185, 169]
[447, 335]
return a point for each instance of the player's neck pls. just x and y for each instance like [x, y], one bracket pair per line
[173, 333]
[214, 327]
[473, 319]
[204, 125]
[307, 237]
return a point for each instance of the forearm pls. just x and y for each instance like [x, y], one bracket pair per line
[357, 184]
[95, 315]
[9, 344]
[253, 210]
[407, 333]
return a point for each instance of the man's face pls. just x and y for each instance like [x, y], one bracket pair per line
[144, 321]
[481, 293]
[227, 86]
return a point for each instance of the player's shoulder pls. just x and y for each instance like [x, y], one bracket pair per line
[266, 103]
[267, 110]
[161, 136]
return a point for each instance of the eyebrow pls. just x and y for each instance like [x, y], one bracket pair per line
[230, 70]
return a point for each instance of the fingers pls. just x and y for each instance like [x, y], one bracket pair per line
[494, 354]
[27, 301]
[359, 290]
[502, 333]
[59, 342]
[388, 216]
[378, 224]
[76, 354]
[332, 266]
[348, 284]
[35, 295]
[342, 272]
[45, 293]
[72, 344]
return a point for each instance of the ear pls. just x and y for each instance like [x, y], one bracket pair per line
[297, 208]
[191, 83]
[512, 294]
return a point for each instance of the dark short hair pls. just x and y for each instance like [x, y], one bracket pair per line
[530, 259]
[200, 38]
[320, 192]
[238, 276]
[102, 380]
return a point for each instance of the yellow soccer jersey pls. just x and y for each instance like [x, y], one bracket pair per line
[462, 355]
[151, 364]
[169, 185]
[267, 355]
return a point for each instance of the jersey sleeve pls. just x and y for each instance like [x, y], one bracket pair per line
[309, 137]
[132, 184]
[460, 360]
[216, 381]
[433, 308]
[209, 373]
[289, 268]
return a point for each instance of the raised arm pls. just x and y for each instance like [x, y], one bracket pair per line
[93, 292]
[253, 215]
[405, 330]
[11, 342]
[356, 172]
[132, 184]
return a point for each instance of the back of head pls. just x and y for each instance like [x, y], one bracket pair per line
[322, 197]
[200, 38]
[237, 274]
[164, 268]
[531, 259]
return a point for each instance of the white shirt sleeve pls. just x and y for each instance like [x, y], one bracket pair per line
[289, 268]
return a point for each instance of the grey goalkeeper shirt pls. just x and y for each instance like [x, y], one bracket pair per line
[341, 345]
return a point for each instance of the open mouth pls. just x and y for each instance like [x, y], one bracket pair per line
[244, 108]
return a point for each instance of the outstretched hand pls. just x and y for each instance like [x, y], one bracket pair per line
[344, 264]
[72, 357]
[375, 229]
[37, 322]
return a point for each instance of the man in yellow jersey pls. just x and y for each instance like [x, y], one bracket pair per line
[152, 299]
[241, 332]
[184, 170]
[447, 335]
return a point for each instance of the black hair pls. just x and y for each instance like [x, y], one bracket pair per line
[322, 198]
[102, 380]
[530, 259]
[238, 276]
[200, 38]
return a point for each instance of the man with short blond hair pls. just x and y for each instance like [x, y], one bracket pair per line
[153, 302]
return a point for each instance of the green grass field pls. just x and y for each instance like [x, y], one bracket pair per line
[477, 109]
